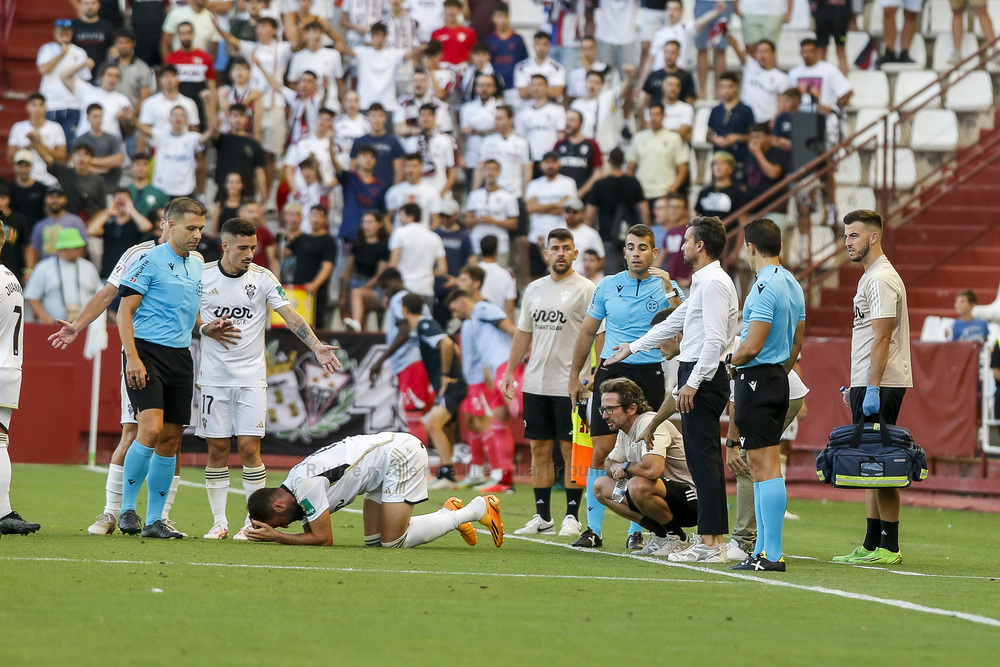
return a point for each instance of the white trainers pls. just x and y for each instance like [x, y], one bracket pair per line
[734, 552]
[350, 324]
[439, 483]
[537, 526]
[470, 482]
[663, 546]
[105, 525]
[241, 536]
[571, 527]
[701, 553]
[791, 517]
[219, 531]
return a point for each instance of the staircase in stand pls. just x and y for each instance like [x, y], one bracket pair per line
[951, 245]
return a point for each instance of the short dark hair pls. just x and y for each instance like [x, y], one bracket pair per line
[540, 76]
[730, 76]
[475, 273]
[238, 227]
[411, 210]
[661, 316]
[629, 393]
[657, 105]
[313, 25]
[480, 48]
[427, 107]
[238, 60]
[187, 23]
[141, 157]
[643, 232]
[768, 43]
[761, 127]
[388, 275]
[413, 303]
[503, 8]
[672, 41]
[376, 106]
[434, 47]
[711, 232]
[35, 96]
[594, 72]
[379, 27]
[85, 148]
[124, 33]
[765, 234]
[320, 208]
[616, 157]
[269, 20]
[260, 505]
[413, 157]
[542, 35]
[107, 66]
[452, 3]
[488, 246]
[165, 69]
[507, 109]
[560, 234]
[808, 41]
[182, 206]
[864, 216]
[592, 252]
[970, 296]
[93, 106]
[455, 295]
[368, 149]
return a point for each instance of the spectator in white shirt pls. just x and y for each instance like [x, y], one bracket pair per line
[499, 285]
[676, 29]
[678, 115]
[155, 110]
[414, 190]
[477, 120]
[542, 64]
[421, 92]
[117, 108]
[491, 211]
[763, 82]
[176, 153]
[585, 237]
[510, 150]
[546, 198]
[438, 151]
[576, 80]
[49, 132]
[348, 126]
[542, 123]
[376, 69]
[54, 59]
[417, 253]
[325, 63]
[605, 108]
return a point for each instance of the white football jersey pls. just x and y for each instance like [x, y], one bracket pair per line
[244, 300]
[11, 338]
[128, 257]
[334, 476]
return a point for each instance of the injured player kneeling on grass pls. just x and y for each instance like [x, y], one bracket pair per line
[390, 469]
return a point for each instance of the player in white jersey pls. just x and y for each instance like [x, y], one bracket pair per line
[233, 379]
[552, 313]
[11, 350]
[106, 521]
[390, 469]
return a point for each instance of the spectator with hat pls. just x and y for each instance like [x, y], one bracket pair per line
[62, 284]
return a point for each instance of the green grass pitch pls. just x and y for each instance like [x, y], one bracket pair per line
[67, 598]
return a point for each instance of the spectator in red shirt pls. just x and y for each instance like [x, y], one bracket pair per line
[456, 39]
[195, 72]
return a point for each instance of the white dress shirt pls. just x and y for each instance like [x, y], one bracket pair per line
[708, 320]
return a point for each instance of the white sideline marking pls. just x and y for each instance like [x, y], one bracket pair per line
[183, 482]
[511, 575]
[901, 604]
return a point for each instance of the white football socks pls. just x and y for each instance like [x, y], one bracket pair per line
[5, 508]
[253, 479]
[165, 515]
[217, 484]
[429, 527]
[113, 490]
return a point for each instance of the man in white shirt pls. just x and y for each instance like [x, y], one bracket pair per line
[417, 253]
[709, 322]
[477, 120]
[676, 29]
[348, 126]
[438, 152]
[491, 211]
[55, 59]
[541, 63]
[50, 133]
[605, 108]
[377, 65]
[429, 15]
[499, 285]
[155, 109]
[546, 198]
[414, 190]
[678, 115]
[585, 237]
[542, 123]
[117, 108]
[616, 34]
[325, 63]
[421, 93]
[576, 80]
[763, 82]
[510, 150]
[176, 153]
[824, 85]
[318, 145]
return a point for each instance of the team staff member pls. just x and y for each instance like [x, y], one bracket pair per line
[708, 320]
[159, 307]
[626, 302]
[233, 378]
[648, 480]
[774, 319]
[880, 370]
[552, 313]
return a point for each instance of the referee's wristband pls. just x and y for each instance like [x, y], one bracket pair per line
[201, 329]
[672, 294]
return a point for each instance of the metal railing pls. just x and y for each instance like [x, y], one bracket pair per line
[899, 185]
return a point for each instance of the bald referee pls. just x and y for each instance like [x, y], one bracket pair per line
[880, 370]
[774, 322]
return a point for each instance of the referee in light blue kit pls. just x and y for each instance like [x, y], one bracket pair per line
[774, 319]
[159, 307]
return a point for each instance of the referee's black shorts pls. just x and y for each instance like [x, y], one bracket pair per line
[682, 499]
[547, 417]
[761, 402]
[169, 382]
[890, 401]
[649, 377]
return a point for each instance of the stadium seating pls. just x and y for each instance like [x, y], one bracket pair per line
[944, 47]
[936, 17]
[974, 92]
[918, 52]
[909, 84]
[851, 199]
[934, 130]
[871, 89]
[857, 40]
[875, 136]
[788, 47]
[901, 163]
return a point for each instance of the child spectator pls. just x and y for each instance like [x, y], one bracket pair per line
[966, 327]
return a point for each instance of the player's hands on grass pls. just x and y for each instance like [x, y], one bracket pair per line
[222, 330]
[65, 336]
[872, 401]
[735, 462]
[622, 351]
[326, 355]
[260, 532]
[135, 373]
[685, 398]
